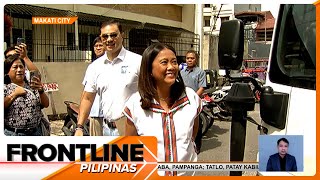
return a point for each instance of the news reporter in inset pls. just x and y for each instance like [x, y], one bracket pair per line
[163, 107]
[22, 101]
[282, 161]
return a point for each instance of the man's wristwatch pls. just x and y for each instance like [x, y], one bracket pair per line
[80, 126]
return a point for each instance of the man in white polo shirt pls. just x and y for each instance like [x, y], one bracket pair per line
[114, 77]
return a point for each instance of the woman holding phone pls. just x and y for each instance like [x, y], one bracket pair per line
[22, 101]
[21, 50]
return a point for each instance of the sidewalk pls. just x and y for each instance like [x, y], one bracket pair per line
[56, 128]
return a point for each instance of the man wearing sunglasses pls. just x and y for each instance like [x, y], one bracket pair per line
[114, 77]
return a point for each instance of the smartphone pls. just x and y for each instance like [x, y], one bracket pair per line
[34, 74]
[20, 40]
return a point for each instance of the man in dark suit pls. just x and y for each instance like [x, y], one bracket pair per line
[282, 161]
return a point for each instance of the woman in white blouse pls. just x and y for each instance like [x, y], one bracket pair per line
[163, 107]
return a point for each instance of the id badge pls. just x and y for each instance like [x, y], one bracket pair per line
[124, 69]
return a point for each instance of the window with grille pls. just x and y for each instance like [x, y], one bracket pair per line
[29, 42]
[83, 41]
[70, 41]
[16, 33]
[207, 21]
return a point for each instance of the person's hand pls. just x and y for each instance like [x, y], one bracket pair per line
[22, 50]
[35, 83]
[78, 132]
[19, 91]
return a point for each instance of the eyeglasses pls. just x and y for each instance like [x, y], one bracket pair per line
[112, 35]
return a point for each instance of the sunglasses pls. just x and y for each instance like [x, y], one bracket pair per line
[112, 35]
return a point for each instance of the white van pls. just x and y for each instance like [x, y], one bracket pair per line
[288, 99]
[292, 71]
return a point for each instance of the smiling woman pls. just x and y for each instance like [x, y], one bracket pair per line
[22, 102]
[163, 107]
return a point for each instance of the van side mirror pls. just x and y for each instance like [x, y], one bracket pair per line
[273, 107]
[231, 44]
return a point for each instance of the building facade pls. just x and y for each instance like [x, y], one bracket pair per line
[167, 23]
[213, 16]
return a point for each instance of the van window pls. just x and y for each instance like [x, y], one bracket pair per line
[293, 58]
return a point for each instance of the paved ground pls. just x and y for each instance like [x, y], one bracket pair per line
[216, 145]
[56, 128]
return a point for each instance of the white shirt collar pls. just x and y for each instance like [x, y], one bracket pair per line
[120, 56]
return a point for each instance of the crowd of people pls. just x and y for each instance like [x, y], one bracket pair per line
[150, 95]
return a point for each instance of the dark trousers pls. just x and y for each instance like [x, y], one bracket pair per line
[198, 139]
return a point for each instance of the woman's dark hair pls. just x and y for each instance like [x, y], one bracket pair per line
[96, 40]
[7, 65]
[146, 84]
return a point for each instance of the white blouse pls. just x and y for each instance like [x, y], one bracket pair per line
[173, 129]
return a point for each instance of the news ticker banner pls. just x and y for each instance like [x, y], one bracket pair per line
[132, 157]
[208, 166]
